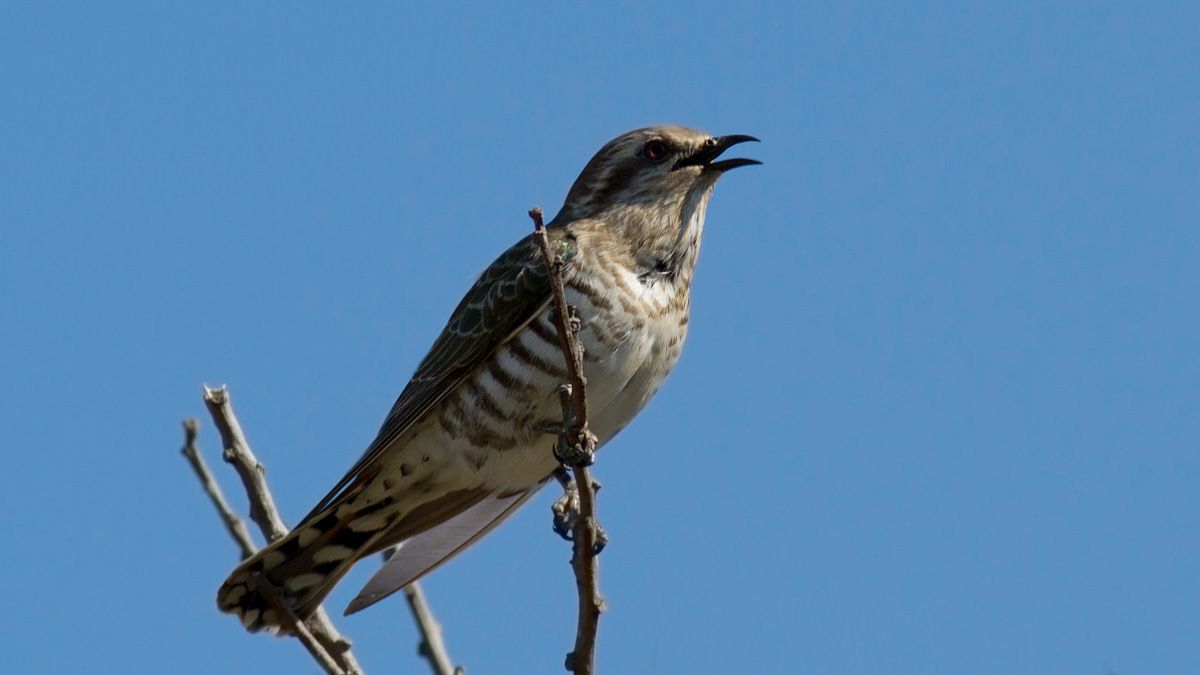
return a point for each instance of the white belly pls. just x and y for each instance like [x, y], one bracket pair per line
[623, 378]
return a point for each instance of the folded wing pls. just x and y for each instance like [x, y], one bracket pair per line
[423, 553]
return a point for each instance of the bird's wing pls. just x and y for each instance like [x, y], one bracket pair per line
[508, 295]
[423, 553]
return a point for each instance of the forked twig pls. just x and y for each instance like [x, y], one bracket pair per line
[326, 645]
[318, 635]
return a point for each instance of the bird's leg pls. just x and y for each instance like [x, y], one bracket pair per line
[563, 475]
[566, 507]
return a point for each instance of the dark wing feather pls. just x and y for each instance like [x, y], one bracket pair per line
[511, 291]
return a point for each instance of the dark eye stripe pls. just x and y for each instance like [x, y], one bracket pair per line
[614, 183]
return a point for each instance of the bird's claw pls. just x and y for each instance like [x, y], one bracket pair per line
[582, 453]
[601, 538]
[566, 508]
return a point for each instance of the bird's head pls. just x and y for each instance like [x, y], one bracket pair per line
[655, 170]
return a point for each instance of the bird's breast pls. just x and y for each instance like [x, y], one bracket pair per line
[497, 424]
[633, 333]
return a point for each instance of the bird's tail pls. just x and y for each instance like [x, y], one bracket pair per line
[293, 575]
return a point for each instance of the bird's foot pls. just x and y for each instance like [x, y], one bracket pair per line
[566, 507]
[582, 453]
[566, 510]
[601, 538]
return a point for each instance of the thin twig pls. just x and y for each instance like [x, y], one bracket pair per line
[326, 645]
[576, 446]
[432, 648]
[235, 526]
[253, 474]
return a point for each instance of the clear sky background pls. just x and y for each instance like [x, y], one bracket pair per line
[938, 408]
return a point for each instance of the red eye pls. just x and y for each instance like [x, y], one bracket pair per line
[655, 150]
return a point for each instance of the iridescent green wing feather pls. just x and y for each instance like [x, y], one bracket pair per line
[508, 295]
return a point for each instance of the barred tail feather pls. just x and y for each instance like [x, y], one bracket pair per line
[295, 573]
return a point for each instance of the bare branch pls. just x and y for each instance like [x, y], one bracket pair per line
[326, 645]
[432, 648]
[576, 446]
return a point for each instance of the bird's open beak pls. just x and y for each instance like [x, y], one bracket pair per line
[712, 149]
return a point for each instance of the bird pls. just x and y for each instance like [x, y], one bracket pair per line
[470, 438]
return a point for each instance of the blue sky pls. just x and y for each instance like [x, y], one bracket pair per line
[938, 408]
